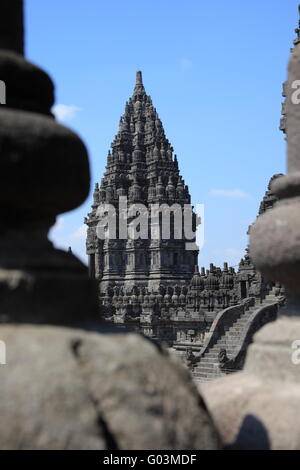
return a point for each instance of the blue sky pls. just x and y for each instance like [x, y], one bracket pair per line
[214, 70]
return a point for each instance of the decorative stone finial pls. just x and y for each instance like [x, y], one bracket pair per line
[139, 89]
[139, 78]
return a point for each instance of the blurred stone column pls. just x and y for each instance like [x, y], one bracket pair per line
[44, 171]
[11, 25]
[65, 387]
[258, 408]
[275, 237]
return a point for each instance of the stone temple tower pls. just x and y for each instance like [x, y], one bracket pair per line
[141, 170]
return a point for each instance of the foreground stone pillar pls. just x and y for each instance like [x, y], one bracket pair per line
[64, 387]
[11, 26]
[258, 408]
[44, 171]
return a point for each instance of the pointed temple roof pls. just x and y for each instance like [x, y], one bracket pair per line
[141, 155]
[142, 168]
[140, 124]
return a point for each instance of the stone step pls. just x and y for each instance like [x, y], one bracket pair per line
[202, 380]
[228, 338]
[206, 374]
[209, 369]
[213, 352]
[230, 348]
[242, 322]
[228, 344]
[207, 360]
[213, 358]
[233, 339]
[230, 341]
[208, 366]
[202, 375]
[233, 329]
[205, 377]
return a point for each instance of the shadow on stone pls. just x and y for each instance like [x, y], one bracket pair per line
[252, 436]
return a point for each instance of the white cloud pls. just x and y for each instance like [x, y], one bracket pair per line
[63, 239]
[233, 253]
[64, 112]
[186, 63]
[60, 221]
[233, 256]
[233, 193]
[80, 233]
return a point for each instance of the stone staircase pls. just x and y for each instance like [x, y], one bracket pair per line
[208, 367]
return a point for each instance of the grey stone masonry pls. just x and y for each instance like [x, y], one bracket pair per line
[256, 408]
[141, 167]
[69, 382]
[154, 285]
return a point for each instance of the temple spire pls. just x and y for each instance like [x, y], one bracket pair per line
[142, 169]
[139, 87]
[139, 78]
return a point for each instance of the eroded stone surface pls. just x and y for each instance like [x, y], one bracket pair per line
[69, 389]
[256, 408]
[64, 388]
